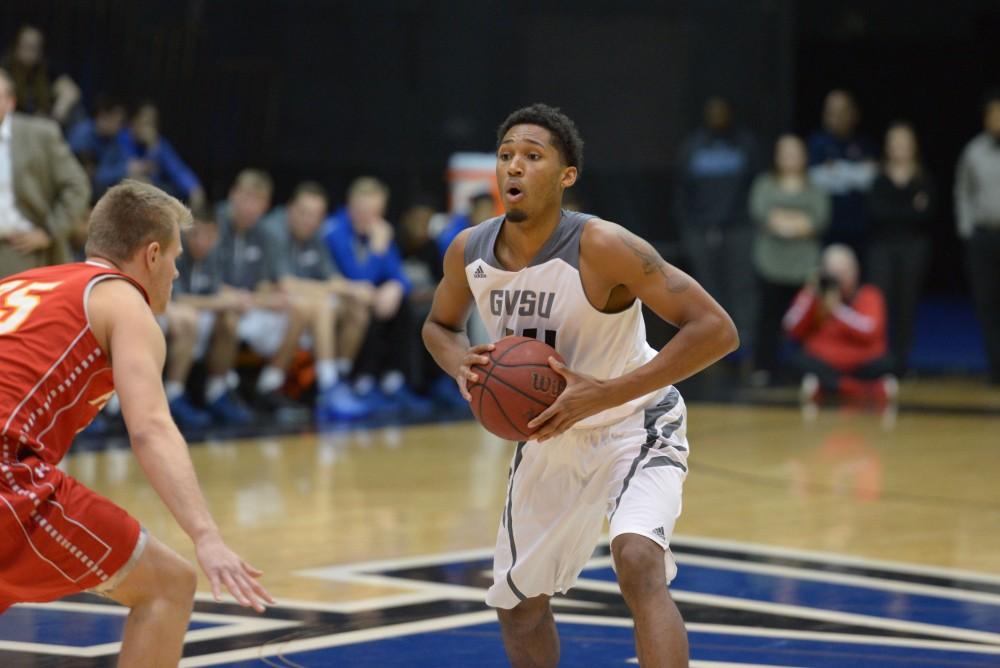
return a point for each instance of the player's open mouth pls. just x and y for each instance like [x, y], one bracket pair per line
[514, 194]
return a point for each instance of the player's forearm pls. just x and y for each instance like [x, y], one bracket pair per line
[446, 346]
[697, 345]
[163, 456]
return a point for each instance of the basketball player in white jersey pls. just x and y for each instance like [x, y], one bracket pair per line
[613, 444]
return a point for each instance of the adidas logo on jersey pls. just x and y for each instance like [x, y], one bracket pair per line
[479, 273]
[660, 532]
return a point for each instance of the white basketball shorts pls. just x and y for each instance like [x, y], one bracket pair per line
[560, 491]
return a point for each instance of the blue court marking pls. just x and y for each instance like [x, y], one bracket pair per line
[67, 628]
[787, 590]
[827, 654]
[593, 646]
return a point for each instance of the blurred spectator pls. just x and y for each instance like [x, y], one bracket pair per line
[201, 324]
[977, 211]
[43, 190]
[482, 207]
[423, 264]
[36, 93]
[842, 329]
[91, 139]
[844, 165]
[272, 323]
[361, 243]
[901, 206]
[337, 308]
[141, 153]
[790, 214]
[714, 170]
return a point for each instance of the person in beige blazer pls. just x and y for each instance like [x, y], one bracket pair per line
[44, 191]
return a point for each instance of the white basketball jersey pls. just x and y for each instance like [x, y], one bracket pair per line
[546, 300]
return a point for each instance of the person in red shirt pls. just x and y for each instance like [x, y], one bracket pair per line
[841, 327]
[70, 336]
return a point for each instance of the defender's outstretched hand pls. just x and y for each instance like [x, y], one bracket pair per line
[584, 396]
[224, 568]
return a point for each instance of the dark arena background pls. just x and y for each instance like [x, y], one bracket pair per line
[833, 515]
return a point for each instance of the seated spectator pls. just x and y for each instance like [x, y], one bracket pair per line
[141, 153]
[337, 307]
[843, 164]
[977, 213]
[272, 323]
[901, 206]
[201, 324]
[90, 139]
[36, 93]
[424, 267]
[361, 244]
[482, 207]
[790, 214]
[842, 329]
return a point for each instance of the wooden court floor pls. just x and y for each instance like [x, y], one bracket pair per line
[923, 491]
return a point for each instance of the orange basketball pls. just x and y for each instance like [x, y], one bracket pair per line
[515, 386]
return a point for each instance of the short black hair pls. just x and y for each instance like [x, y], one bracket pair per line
[565, 136]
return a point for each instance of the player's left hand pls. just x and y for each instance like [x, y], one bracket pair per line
[224, 568]
[584, 396]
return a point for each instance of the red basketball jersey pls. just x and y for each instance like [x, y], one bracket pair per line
[55, 377]
[59, 536]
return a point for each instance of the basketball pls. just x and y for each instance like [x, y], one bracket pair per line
[515, 386]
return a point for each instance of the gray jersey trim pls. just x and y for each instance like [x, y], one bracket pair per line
[563, 243]
[510, 522]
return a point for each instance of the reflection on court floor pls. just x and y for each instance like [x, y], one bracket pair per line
[745, 605]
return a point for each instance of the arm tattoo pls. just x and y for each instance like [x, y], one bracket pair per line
[651, 261]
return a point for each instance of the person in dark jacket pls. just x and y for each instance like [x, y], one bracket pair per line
[715, 167]
[901, 208]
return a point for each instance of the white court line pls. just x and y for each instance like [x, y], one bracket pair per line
[785, 634]
[230, 625]
[403, 562]
[834, 558]
[867, 581]
[813, 613]
[680, 540]
[349, 638]
[727, 664]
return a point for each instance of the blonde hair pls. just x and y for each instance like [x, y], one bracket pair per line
[367, 185]
[131, 215]
[254, 179]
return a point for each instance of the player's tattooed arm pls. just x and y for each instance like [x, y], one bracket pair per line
[675, 281]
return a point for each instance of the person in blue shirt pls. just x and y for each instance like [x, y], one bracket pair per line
[141, 153]
[844, 165]
[91, 139]
[482, 206]
[362, 246]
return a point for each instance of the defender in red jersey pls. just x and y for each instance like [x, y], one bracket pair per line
[70, 336]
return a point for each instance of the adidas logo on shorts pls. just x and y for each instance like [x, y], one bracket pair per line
[479, 273]
[660, 532]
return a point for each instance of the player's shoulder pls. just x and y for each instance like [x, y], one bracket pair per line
[116, 293]
[601, 235]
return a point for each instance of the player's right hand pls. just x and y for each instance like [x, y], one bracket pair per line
[466, 375]
[224, 568]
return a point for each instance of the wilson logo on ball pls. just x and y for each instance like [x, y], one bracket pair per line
[547, 385]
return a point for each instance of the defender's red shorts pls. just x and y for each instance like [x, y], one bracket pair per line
[58, 537]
